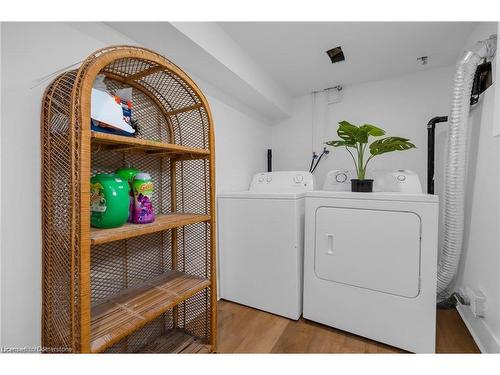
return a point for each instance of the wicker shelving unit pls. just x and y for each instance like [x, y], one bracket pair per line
[137, 288]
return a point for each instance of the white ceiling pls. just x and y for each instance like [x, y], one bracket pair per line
[293, 53]
[215, 61]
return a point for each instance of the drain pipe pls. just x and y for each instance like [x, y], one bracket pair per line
[454, 196]
[431, 140]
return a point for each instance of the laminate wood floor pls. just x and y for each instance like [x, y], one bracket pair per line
[242, 329]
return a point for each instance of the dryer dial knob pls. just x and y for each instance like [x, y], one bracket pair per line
[341, 178]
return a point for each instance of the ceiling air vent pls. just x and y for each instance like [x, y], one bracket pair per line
[336, 54]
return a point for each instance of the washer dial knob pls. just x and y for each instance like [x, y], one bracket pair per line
[298, 178]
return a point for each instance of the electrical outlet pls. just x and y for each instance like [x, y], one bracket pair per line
[477, 302]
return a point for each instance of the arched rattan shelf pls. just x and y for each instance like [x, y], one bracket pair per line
[145, 288]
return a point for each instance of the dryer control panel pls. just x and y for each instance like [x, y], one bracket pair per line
[339, 180]
[285, 181]
[398, 181]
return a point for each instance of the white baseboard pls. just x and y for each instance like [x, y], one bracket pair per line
[481, 333]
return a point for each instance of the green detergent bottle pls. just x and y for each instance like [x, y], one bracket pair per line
[109, 200]
[128, 174]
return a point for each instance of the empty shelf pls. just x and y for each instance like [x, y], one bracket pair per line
[133, 308]
[175, 341]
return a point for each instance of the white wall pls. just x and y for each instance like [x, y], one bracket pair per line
[480, 264]
[29, 52]
[241, 145]
[401, 105]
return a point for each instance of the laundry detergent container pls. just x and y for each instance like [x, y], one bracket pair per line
[109, 201]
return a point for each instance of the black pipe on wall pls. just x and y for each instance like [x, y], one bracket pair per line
[269, 160]
[431, 134]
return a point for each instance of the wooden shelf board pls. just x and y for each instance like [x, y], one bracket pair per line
[176, 341]
[122, 143]
[162, 222]
[133, 308]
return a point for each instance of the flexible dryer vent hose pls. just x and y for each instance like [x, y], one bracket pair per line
[454, 195]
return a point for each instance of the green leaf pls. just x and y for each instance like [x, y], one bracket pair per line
[390, 144]
[344, 122]
[339, 144]
[354, 134]
[362, 135]
[347, 132]
[373, 130]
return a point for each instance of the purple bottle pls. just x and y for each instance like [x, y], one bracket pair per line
[143, 194]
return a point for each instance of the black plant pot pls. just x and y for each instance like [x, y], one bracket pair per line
[361, 186]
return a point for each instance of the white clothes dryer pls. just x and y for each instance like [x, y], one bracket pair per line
[370, 264]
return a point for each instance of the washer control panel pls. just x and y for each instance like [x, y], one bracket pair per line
[298, 178]
[282, 181]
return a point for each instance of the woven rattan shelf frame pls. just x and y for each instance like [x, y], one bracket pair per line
[116, 317]
[161, 223]
[84, 268]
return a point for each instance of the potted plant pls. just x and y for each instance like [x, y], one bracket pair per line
[356, 137]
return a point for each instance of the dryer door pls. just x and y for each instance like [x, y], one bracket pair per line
[372, 249]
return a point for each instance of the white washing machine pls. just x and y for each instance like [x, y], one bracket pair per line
[370, 265]
[261, 243]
